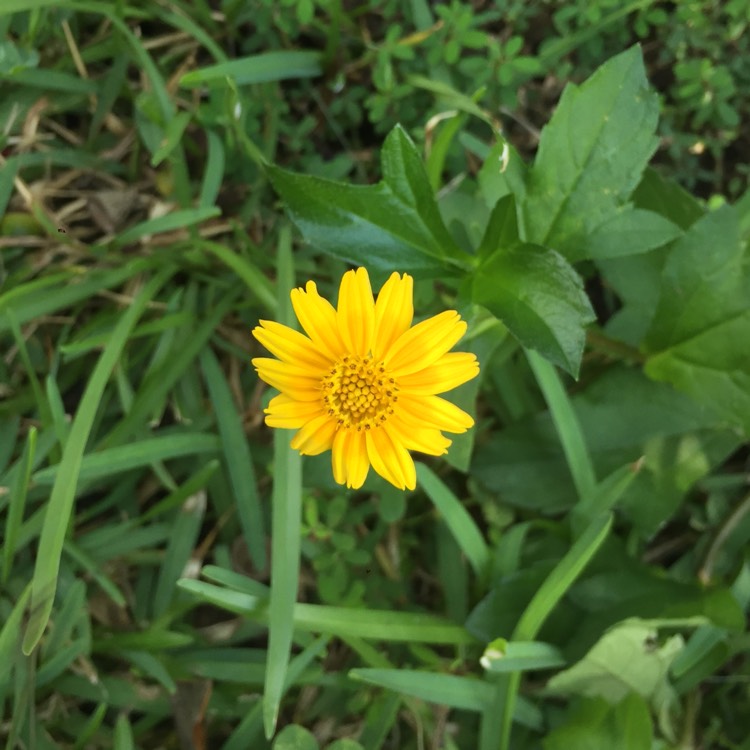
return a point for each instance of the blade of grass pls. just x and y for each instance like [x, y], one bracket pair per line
[60, 504]
[17, 503]
[161, 380]
[381, 625]
[9, 635]
[567, 425]
[266, 66]
[457, 518]
[213, 174]
[255, 281]
[187, 217]
[286, 503]
[497, 721]
[466, 693]
[47, 295]
[179, 549]
[237, 459]
[112, 461]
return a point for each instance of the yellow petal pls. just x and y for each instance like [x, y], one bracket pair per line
[356, 312]
[450, 371]
[419, 438]
[394, 310]
[286, 412]
[316, 436]
[435, 412]
[292, 380]
[424, 343]
[349, 458]
[390, 458]
[290, 345]
[317, 316]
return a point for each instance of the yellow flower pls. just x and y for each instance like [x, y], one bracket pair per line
[363, 382]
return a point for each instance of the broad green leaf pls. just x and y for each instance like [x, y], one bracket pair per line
[540, 298]
[697, 340]
[523, 462]
[392, 225]
[668, 199]
[594, 724]
[629, 232]
[627, 659]
[591, 156]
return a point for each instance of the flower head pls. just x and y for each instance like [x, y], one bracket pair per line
[363, 382]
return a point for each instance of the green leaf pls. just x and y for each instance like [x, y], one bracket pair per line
[466, 693]
[392, 225]
[627, 659]
[294, 737]
[540, 298]
[267, 66]
[458, 520]
[60, 504]
[595, 724]
[383, 625]
[629, 232]
[286, 504]
[591, 156]
[515, 656]
[702, 316]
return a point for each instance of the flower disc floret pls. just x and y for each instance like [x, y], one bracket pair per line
[359, 393]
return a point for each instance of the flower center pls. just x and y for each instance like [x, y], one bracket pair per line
[359, 393]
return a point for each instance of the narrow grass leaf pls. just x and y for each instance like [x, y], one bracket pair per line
[17, 503]
[57, 411]
[10, 635]
[92, 569]
[516, 656]
[112, 461]
[237, 459]
[381, 625]
[47, 295]
[193, 484]
[553, 589]
[286, 532]
[213, 173]
[180, 219]
[123, 738]
[161, 380]
[450, 690]
[567, 425]
[255, 281]
[267, 66]
[457, 518]
[60, 504]
[180, 547]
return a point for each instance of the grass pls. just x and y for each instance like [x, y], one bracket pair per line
[171, 569]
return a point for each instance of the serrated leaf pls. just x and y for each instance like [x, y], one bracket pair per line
[698, 339]
[394, 224]
[540, 298]
[591, 155]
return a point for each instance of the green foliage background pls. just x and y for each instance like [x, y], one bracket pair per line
[571, 177]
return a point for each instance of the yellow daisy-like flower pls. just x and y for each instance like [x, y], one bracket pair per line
[363, 382]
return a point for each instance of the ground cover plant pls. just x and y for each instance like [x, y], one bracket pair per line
[568, 178]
